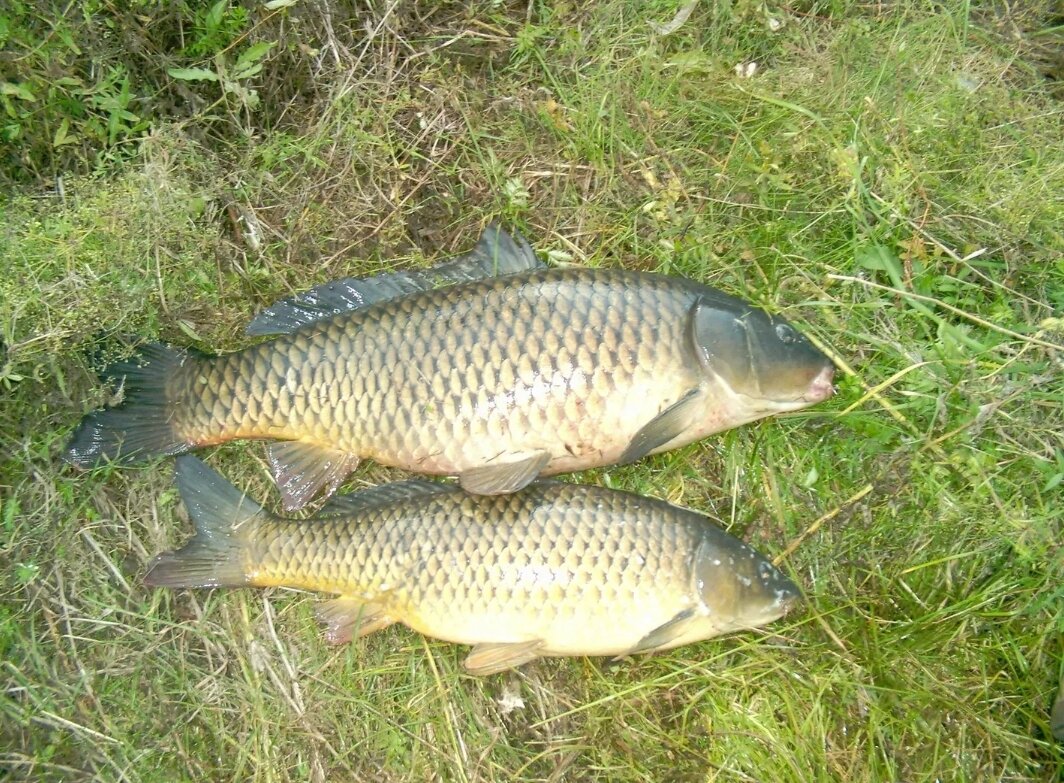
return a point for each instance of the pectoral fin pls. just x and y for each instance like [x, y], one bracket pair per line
[301, 470]
[665, 636]
[490, 658]
[666, 426]
[345, 618]
[501, 479]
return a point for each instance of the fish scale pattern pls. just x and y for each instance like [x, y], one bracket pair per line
[574, 560]
[441, 381]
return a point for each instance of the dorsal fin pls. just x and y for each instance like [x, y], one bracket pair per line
[385, 494]
[496, 254]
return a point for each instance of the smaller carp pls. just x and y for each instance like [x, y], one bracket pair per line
[552, 570]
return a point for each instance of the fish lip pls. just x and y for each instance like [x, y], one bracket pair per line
[790, 599]
[822, 386]
[788, 595]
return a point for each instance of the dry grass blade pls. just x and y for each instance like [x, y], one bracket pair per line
[955, 310]
[792, 547]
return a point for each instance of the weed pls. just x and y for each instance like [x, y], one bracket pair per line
[888, 176]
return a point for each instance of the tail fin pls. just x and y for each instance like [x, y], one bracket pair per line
[224, 519]
[140, 427]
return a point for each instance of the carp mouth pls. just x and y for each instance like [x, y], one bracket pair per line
[822, 386]
[819, 389]
[788, 599]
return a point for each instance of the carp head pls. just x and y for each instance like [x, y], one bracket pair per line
[761, 357]
[738, 588]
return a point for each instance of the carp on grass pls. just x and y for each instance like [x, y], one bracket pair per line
[552, 570]
[491, 367]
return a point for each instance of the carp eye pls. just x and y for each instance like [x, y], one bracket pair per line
[786, 334]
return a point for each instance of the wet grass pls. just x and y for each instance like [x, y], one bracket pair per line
[889, 178]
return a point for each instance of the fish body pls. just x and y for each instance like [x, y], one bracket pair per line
[552, 570]
[497, 379]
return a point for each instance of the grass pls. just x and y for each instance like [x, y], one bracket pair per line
[890, 179]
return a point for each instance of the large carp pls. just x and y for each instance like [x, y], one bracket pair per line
[491, 367]
[555, 569]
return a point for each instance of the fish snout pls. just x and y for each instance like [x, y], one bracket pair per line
[788, 596]
[782, 592]
[822, 386]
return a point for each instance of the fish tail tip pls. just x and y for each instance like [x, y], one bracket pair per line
[224, 518]
[139, 427]
[124, 435]
[195, 566]
[84, 448]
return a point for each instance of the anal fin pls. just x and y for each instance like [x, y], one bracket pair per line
[301, 470]
[504, 477]
[493, 657]
[346, 618]
[666, 426]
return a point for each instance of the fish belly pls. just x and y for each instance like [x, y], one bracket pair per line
[582, 630]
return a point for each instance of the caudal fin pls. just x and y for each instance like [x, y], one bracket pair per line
[140, 426]
[224, 519]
